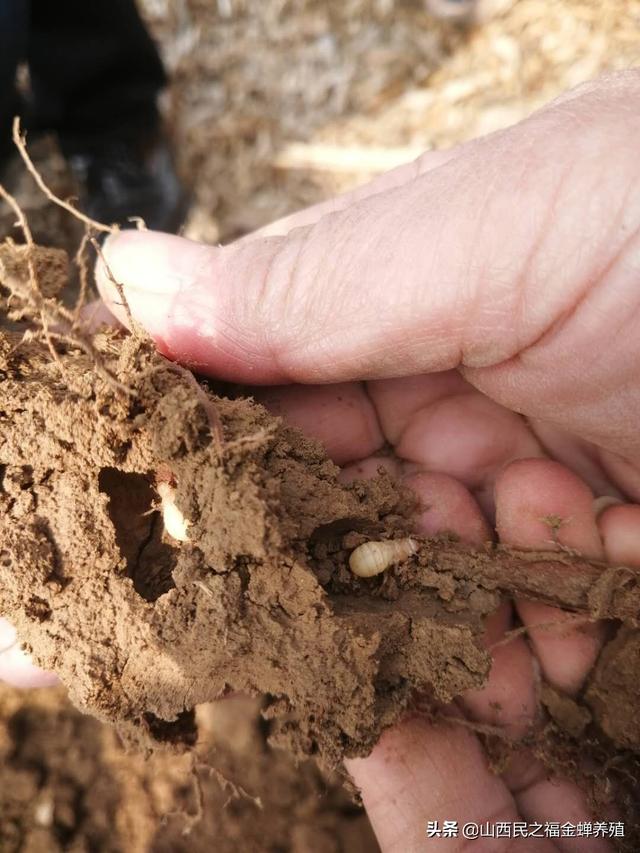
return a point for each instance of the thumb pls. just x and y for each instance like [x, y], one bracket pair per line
[523, 243]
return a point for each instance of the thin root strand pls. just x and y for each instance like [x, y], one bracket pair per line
[20, 142]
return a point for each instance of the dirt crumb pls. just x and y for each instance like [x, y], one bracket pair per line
[613, 692]
[50, 268]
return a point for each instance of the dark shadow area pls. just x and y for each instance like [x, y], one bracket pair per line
[138, 527]
[182, 731]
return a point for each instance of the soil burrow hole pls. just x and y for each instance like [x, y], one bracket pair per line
[138, 528]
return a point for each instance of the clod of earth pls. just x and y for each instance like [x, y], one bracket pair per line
[161, 546]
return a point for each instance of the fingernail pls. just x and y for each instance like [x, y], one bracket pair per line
[149, 261]
[165, 281]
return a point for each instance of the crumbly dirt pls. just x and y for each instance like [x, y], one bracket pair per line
[68, 784]
[160, 626]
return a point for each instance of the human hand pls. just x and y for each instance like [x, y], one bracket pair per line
[16, 667]
[475, 286]
[494, 279]
[512, 258]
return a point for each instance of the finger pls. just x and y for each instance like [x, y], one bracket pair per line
[468, 437]
[389, 180]
[441, 423]
[398, 400]
[341, 417]
[468, 265]
[541, 504]
[16, 667]
[620, 530]
[421, 772]
[508, 698]
[447, 507]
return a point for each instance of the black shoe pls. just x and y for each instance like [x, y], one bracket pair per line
[121, 177]
[6, 150]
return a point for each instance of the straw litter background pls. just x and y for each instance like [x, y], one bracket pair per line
[276, 104]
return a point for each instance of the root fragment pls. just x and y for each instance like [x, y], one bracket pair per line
[20, 142]
[133, 324]
[561, 579]
[81, 262]
[46, 312]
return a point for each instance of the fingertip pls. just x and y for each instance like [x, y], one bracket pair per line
[566, 645]
[204, 306]
[447, 507]
[150, 260]
[159, 275]
[467, 436]
[340, 416]
[420, 771]
[16, 667]
[542, 504]
[508, 699]
[620, 529]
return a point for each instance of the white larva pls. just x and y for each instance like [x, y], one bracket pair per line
[372, 558]
[174, 521]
